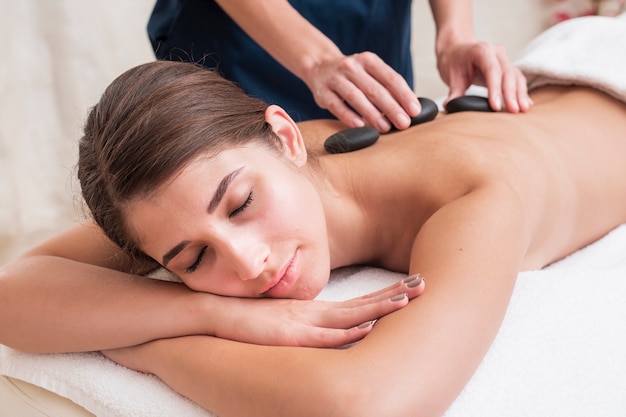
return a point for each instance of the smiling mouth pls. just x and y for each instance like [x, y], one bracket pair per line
[287, 279]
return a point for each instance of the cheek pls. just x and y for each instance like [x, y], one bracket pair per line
[297, 209]
[222, 285]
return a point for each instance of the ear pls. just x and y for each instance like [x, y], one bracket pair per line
[288, 132]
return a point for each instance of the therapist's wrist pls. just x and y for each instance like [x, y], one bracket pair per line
[450, 36]
[313, 63]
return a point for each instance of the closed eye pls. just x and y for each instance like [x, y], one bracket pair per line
[244, 206]
[191, 268]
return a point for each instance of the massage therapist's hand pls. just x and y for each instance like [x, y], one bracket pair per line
[487, 65]
[365, 83]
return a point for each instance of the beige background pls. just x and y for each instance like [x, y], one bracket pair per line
[59, 55]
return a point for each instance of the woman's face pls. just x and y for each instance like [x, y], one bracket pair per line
[244, 223]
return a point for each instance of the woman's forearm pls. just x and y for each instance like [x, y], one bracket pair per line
[53, 304]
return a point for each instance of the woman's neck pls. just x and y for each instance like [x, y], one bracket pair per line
[351, 229]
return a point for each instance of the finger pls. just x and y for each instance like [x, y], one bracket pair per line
[524, 100]
[458, 85]
[384, 92]
[359, 311]
[335, 104]
[491, 68]
[511, 86]
[394, 83]
[331, 338]
[509, 92]
[411, 285]
[347, 96]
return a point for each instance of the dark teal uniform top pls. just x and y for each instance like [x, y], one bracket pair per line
[200, 31]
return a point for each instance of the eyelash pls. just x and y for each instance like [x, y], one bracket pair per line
[196, 263]
[191, 268]
[243, 206]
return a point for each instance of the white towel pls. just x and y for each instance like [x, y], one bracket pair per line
[561, 350]
[587, 51]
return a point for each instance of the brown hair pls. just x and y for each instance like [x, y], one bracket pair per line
[150, 123]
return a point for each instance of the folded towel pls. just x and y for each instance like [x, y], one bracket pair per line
[587, 51]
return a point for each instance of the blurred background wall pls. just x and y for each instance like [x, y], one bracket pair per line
[59, 55]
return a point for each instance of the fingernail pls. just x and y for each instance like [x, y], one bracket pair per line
[414, 108]
[356, 122]
[382, 125]
[403, 120]
[528, 102]
[498, 104]
[411, 278]
[415, 282]
[398, 297]
[366, 324]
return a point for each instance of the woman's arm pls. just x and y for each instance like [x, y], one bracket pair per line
[79, 292]
[415, 360]
[76, 292]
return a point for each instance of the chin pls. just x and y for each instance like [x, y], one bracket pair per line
[312, 289]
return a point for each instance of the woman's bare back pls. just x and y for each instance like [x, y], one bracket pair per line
[565, 159]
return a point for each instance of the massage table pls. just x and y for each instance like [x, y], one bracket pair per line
[561, 350]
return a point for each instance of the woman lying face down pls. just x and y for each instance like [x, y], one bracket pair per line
[182, 170]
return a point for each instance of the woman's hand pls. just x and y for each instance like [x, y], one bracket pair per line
[283, 322]
[312, 323]
[485, 64]
[365, 83]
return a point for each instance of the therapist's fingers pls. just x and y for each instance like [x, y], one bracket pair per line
[386, 89]
[489, 63]
[516, 91]
[459, 79]
[506, 85]
[362, 89]
[335, 104]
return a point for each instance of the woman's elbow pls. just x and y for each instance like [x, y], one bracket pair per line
[7, 325]
[13, 310]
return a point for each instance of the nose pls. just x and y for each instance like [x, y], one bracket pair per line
[246, 255]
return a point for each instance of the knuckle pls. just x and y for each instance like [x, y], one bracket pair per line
[368, 58]
[336, 107]
[348, 65]
[483, 49]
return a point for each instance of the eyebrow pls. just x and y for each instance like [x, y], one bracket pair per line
[221, 189]
[171, 254]
[215, 201]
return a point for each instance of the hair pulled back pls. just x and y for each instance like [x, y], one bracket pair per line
[150, 123]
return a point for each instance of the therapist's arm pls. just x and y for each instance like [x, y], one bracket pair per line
[363, 80]
[463, 61]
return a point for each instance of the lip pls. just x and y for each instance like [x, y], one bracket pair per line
[285, 279]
